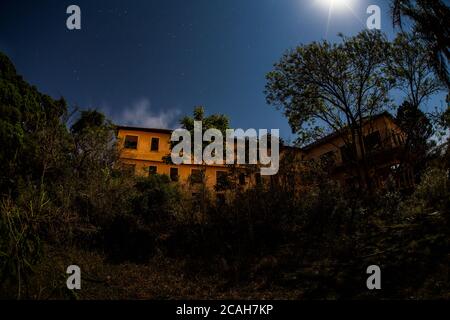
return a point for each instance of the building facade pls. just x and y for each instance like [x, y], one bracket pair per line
[145, 151]
[383, 143]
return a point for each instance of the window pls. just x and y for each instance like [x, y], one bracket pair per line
[221, 177]
[155, 144]
[152, 170]
[398, 138]
[131, 142]
[242, 178]
[221, 180]
[174, 174]
[197, 176]
[372, 141]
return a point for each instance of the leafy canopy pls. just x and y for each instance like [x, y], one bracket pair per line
[326, 86]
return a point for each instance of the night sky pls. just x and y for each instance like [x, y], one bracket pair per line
[148, 62]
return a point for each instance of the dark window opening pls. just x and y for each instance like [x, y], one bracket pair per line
[174, 174]
[197, 176]
[155, 144]
[152, 170]
[221, 176]
[242, 178]
[221, 180]
[131, 142]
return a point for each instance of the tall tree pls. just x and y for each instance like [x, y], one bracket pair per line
[325, 87]
[33, 137]
[214, 121]
[430, 20]
[418, 129]
[94, 144]
[410, 66]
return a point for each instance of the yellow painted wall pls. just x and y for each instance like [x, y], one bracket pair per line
[142, 158]
[383, 124]
[391, 137]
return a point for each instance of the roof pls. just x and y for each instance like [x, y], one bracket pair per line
[337, 133]
[157, 130]
[308, 147]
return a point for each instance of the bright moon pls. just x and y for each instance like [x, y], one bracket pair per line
[336, 4]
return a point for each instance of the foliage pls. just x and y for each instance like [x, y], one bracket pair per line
[418, 129]
[33, 138]
[333, 86]
[430, 22]
[410, 65]
[157, 199]
[214, 121]
[20, 244]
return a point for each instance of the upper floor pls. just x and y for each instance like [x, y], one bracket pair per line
[144, 143]
[147, 150]
[380, 135]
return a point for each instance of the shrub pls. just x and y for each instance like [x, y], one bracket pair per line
[434, 189]
[20, 241]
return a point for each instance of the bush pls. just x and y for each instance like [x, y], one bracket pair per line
[434, 189]
[20, 241]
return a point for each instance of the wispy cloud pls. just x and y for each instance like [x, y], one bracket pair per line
[140, 114]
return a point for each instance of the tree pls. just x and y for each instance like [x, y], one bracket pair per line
[89, 119]
[325, 87]
[33, 137]
[430, 21]
[94, 144]
[418, 129]
[35, 146]
[214, 121]
[444, 124]
[444, 119]
[410, 66]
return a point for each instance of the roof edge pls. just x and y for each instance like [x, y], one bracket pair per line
[132, 128]
[336, 133]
